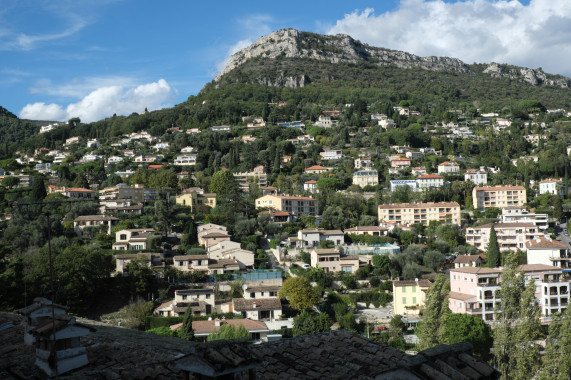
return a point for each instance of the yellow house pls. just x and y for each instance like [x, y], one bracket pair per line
[409, 296]
[196, 197]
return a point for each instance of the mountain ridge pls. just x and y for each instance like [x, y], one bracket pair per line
[341, 48]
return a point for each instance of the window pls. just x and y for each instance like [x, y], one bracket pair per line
[414, 300]
[414, 289]
[404, 289]
[252, 295]
[208, 296]
[404, 300]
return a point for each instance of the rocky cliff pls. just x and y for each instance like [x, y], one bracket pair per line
[290, 43]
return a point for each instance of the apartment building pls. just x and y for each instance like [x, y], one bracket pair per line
[295, 205]
[411, 213]
[498, 196]
[258, 175]
[409, 296]
[510, 236]
[475, 290]
[137, 193]
[364, 178]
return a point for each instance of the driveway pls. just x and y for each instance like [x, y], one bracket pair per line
[375, 315]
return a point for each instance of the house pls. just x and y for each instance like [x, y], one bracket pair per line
[259, 309]
[312, 237]
[498, 196]
[120, 206]
[257, 329]
[186, 263]
[519, 214]
[430, 181]
[257, 292]
[188, 159]
[510, 236]
[409, 296]
[161, 146]
[330, 260]
[424, 213]
[326, 121]
[543, 250]
[331, 155]
[196, 198]
[137, 193]
[364, 178]
[187, 149]
[448, 167]
[71, 141]
[468, 261]
[414, 155]
[478, 177]
[93, 143]
[211, 238]
[295, 205]
[386, 123]
[404, 182]
[311, 186]
[367, 230]
[114, 159]
[223, 266]
[286, 159]
[83, 221]
[146, 159]
[205, 295]
[363, 163]
[279, 216]
[221, 128]
[418, 171]
[534, 138]
[292, 124]
[315, 169]
[132, 239]
[552, 186]
[72, 192]
[270, 190]
[173, 308]
[400, 163]
[229, 250]
[122, 260]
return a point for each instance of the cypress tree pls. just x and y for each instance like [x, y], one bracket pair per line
[432, 328]
[186, 332]
[38, 189]
[493, 253]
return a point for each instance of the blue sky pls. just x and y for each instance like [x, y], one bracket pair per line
[92, 58]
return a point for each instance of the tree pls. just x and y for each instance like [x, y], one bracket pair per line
[186, 331]
[229, 332]
[397, 326]
[493, 253]
[310, 323]
[435, 311]
[10, 181]
[410, 271]
[557, 207]
[517, 324]
[225, 186]
[433, 260]
[140, 275]
[382, 262]
[38, 189]
[557, 358]
[468, 328]
[299, 292]
[334, 217]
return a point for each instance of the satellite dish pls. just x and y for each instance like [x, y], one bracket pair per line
[244, 287]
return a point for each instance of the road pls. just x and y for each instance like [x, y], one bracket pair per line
[560, 232]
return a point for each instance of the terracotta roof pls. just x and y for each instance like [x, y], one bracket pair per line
[477, 270]
[430, 176]
[421, 282]
[544, 243]
[332, 232]
[466, 258]
[316, 167]
[420, 205]
[243, 304]
[223, 263]
[279, 213]
[538, 267]
[190, 257]
[448, 163]
[312, 181]
[95, 217]
[326, 251]
[216, 234]
[195, 291]
[504, 225]
[262, 288]
[551, 180]
[365, 228]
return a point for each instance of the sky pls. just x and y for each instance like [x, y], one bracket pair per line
[94, 58]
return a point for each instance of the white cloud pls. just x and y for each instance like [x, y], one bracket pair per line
[503, 31]
[104, 102]
[29, 41]
[233, 49]
[78, 88]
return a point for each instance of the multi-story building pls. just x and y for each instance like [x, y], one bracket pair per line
[364, 178]
[295, 205]
[312, 237]
[258, 175]
[72, 192]
[519, 214]
[418, 171]
[330, 260]
[188, 159]
[132, 239]
[449, 167]
[424, 213]
[196, 197]
[429, 181]
[498, 196]
[552, 186]
[475, 290]
[549, 252]
[363, 163]
[310, 186]
[137, 193]
[478, 177]
[400, 162]
[409, 296]
[510, 236]
[404, 182]
[331, 154]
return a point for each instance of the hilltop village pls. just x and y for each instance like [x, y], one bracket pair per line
[376, 219]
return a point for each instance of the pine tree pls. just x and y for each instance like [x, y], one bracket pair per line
[192, 233]
[38, 189]
[517, 324]
[435, 312]
[186, 331]
[493, 253]
[557, 358]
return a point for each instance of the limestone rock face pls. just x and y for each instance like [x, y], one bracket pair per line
[340, 48]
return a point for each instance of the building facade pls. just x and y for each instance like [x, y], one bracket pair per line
[424, 213]
[498, 196]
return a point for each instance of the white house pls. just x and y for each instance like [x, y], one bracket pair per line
[311, 186]
[430, 181]
[331, 155]
[552, 186]
[405, 182]
[448, 167]
[477, 176]
[548, 252]
[186, 159]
